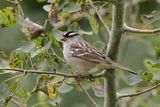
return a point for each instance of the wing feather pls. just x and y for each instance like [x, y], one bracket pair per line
[86, 51]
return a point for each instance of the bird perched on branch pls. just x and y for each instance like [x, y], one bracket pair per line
[85, 57]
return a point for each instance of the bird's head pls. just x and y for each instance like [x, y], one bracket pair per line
[69, 36]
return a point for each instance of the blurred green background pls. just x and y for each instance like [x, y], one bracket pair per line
[134, 49]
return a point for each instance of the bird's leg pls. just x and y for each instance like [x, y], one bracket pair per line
[78, 76]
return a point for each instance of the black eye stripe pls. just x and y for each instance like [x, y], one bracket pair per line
[70, 34]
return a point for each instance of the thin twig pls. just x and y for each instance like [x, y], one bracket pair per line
[17, 103]
[135, 30]
[9, 97]
[109, 1]
[12, 78]
[87, 94]
[139, 93]
[53, 73]
[100, 17]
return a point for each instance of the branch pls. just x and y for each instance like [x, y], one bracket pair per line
[110, 91]
[135, 30]
[87, 94]
[9, 97]
[109, 1]
[139, 93]
[17, 103]
[66, 21]
[54, 73]
[99, 16]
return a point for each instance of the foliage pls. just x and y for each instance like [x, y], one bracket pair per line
[40, 50]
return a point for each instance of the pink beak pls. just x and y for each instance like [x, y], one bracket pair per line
[63, 39]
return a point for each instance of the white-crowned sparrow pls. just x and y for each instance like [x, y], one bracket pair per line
[84, 57]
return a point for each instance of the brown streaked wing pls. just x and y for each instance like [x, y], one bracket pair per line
[88, 52]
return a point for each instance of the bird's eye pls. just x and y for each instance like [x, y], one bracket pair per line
[70, 34]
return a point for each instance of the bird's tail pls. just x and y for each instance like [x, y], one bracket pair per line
[119, 66]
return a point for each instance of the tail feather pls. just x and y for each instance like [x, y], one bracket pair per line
[119, 66]
[124, 68]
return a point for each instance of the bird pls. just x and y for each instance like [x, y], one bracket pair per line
[85, 57]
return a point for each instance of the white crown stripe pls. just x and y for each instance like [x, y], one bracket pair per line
[72, 34]
[65, 33]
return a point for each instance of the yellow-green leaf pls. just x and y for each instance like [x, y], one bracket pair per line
[51, 89]
[14, 61]
[7, 16]
[147, 76]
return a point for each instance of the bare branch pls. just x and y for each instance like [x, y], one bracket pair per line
[135, 30]
[19, 104]
[71, 18]
[9, 97]
[67, 21]
[109, 1]
[139, 93]
[99, 16]
[53, 73]
[87, 94]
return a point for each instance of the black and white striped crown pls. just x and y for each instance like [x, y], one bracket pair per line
[70, 34]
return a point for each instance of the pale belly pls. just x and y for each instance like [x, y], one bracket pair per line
[81, 65]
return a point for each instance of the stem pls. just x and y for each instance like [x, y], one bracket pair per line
[87, 94]
[53, 73]
[110, 98]
[100, 17]
[17, 103]
[135, 30]
[139, 93]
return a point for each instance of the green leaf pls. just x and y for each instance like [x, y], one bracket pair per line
[99, 44]
[148, 63]
[81, 2]
[22, 93]
[94, 24]
[13, 87]
[43, 66]
[4, 91]
[21, 55]
[133, 80]
[147, 76]
[41, 1]
[73, 27]
[55, 5]
[40, 50]
[152, 66]
[61, 4]
[149, 19]
[7, 16]
[157, 50]
[55, 102]
[15, 58]
[27, 46]
[72, 7]
[3, 54]
[64, 88]
[38, 42]
[156, 66]
[56, 35]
